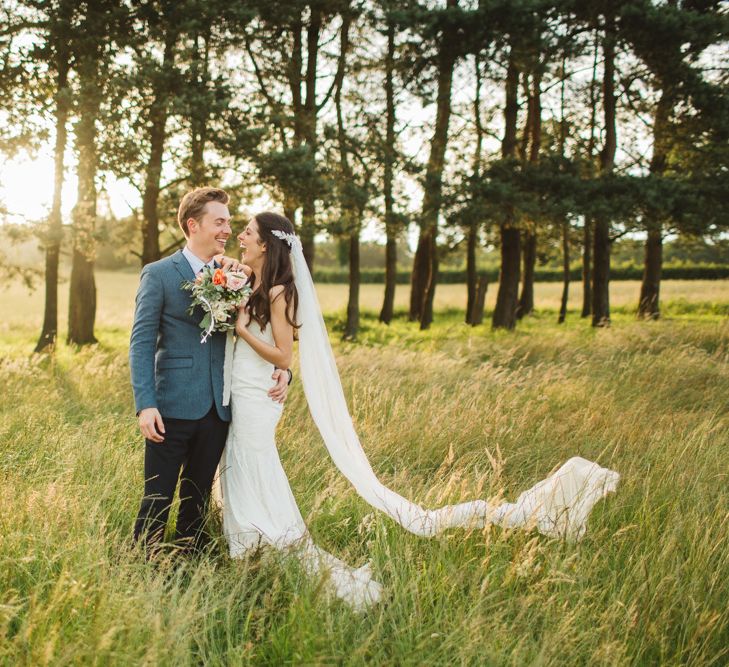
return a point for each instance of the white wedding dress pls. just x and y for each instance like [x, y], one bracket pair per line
[259, 507]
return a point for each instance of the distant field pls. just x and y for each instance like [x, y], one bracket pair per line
[116, 298]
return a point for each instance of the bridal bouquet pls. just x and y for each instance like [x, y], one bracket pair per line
[219, 293]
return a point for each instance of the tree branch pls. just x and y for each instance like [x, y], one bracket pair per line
[172, 246]
[346, 23]
[175, 181]
[617, 236]
[262, 85]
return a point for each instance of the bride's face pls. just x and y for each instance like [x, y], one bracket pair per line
[250, 242]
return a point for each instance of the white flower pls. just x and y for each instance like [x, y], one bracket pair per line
[220, 311]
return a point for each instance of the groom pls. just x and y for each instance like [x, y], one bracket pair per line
[178, 382]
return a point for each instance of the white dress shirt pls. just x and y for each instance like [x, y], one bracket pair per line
[195, 262]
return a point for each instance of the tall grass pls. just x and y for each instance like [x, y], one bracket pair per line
[444, 416]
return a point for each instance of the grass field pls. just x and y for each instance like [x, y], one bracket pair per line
[444, 415]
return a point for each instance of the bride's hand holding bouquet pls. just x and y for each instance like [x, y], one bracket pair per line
[242, 321]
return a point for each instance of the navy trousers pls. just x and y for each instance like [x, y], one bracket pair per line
[190, 453]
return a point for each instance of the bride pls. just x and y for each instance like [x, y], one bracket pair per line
[258, 505]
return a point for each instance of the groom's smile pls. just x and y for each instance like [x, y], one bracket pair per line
[222, 234]
[221, 241]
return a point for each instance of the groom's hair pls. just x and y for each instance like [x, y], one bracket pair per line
[193, 204]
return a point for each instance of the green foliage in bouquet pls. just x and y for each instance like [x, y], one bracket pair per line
[220, 293]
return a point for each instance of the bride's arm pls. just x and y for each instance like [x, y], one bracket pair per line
[281, 352]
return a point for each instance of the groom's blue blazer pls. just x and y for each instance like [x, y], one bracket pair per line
[171, 370]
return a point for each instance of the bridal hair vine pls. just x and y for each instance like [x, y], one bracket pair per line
[291, 239]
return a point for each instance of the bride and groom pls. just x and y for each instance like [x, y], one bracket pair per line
[194, 422]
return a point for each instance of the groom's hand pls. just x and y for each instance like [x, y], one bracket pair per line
[281, 388]
[151, 424]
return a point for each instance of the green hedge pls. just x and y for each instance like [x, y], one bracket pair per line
[377, 276]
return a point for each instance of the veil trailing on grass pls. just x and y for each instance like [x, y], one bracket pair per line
[558, 505]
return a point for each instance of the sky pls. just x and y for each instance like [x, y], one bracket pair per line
[26, 188]
[26, 191]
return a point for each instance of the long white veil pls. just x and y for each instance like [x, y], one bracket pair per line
[558, 505]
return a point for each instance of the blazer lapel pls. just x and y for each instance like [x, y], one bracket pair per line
[185, 270]
[183, 266]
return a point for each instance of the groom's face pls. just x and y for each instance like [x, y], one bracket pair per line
[212, 231]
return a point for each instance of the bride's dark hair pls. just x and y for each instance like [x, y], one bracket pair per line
[277, 270]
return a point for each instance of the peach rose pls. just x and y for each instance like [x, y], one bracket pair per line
[235, 282]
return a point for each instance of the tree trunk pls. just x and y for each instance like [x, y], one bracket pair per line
[507, 298]
[289, 207]
[587, 268]
[649, 306]
[479, 300]
[157, 136]
[352, 326]
[388, 302]
[589, 223]
[150, 197]
[418, 278]
[293, 202]
[427, 266]
[471, 270]
[351, 211]
[526, 301]
[565, 271]
[54, 234]
[565, 222]
[651, 285]
[309, 132]
[529, 123]
[82, 296]
[426, 318]
[200, 115]
[391, 227]
[308, 231]
[601, 247]
[601, 274]
[473, 224]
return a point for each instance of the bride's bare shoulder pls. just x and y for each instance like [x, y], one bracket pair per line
[275, 292]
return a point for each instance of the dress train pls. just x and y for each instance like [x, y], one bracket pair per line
[259, 507]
